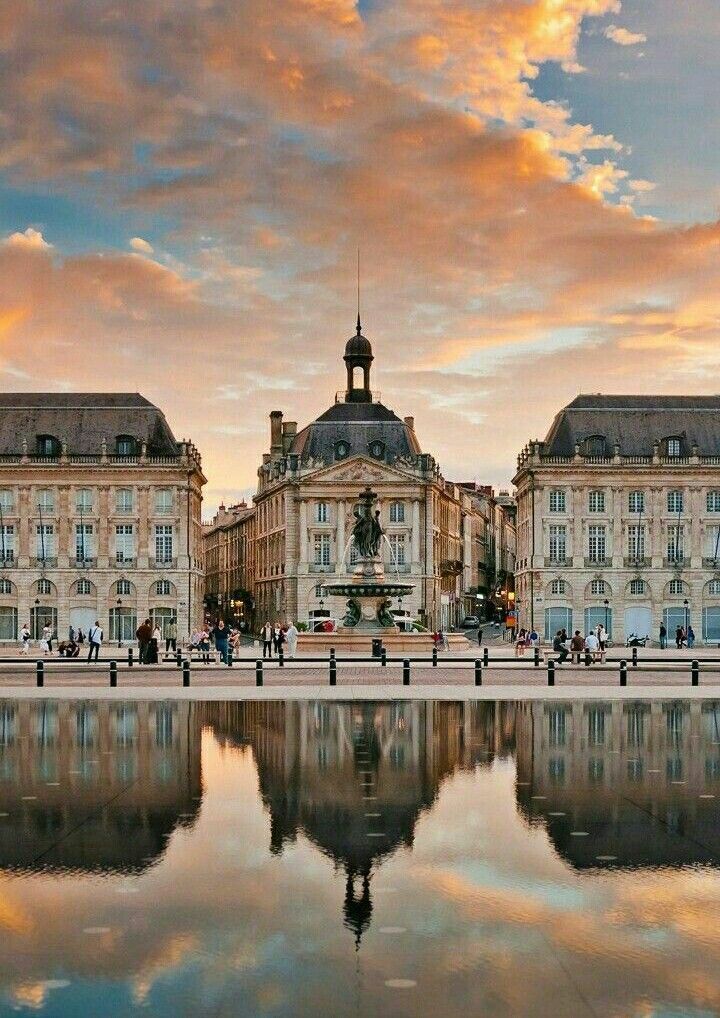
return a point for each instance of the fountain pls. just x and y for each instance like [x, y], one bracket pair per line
[368, 592]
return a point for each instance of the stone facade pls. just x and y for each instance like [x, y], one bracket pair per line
[229, 547]
[618, 518]
[100, 516]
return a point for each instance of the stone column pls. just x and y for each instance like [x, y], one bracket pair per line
[303, 535]
[657, 536]
[415, 535]
[104, 526]
[578, 546]
[617, 538]
[340, 533]
[694, 522]
[143, 549]
[65, 547]
[25, 548]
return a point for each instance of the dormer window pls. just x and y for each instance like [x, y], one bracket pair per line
[125, 445]
[673, 447]
[594, 445]
[48, 445]
[342, 450]
[377, 450]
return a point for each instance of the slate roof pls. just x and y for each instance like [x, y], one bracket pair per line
[83, 420]
[357, 424]
[636, 423]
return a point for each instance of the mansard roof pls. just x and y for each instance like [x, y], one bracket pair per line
[358, 425]
[636, 423]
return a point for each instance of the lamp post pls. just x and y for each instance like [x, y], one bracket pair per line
[606, 603]
[119, 623]
[687, 615]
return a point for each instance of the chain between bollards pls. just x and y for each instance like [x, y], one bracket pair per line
[551, 672]
[623, 673]
[434, 653]
[186, 672]
[478, 672]
[695, 673]
[258, 672]
[113, 673]
[333, 669]
[40, 673]
[406, 672]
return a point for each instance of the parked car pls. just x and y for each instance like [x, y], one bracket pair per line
[470, 622]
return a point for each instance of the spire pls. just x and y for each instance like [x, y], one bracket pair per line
[358, 327]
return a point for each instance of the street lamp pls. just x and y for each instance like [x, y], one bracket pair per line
[687, 615]
[119, 623]
[606, 603]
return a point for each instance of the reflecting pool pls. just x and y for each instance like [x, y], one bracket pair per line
[339, 858]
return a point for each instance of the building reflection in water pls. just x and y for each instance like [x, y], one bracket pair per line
[94, 787]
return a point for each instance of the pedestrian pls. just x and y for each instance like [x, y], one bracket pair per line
[25, 639]
[533, 639]
[520, 643]
[267, 636]
[663, 636]
[171, 633]
[690, 637]
[71, 634]
[577, 646]
[204, 645]
[277, 639]
[95, 637]
[47, 635]
[155, 640]
[80, 636]
[602, 636]
[292, 639]
[560, 648]
[143, 636]
[592, 644]
[480, 635]
[679, 637]
[221, 635]
[564, 635]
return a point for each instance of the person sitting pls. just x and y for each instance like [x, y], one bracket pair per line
[560, 648]
[69, 648]
[577, 646]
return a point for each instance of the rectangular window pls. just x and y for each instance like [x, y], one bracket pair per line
[163, 501]
[46, 501]
[7, 543]
[83, 500]
[557, 500]
[83, 541]
[713, 502]
[45, 541]
[558, 537]
[397, 546]
[673, 447]
[163, 543]
[322, 549]
[596, 544]
[675, 502]
[124, 500]
[596, 502]
[397, 512]
[124, 543]
[675, 543]
[322, 512]
[712, 542]
[7, 502]
[636, 542]
[636, 502]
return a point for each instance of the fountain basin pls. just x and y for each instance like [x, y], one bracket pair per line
[369, 588]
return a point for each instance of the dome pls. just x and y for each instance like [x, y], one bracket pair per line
[358, 345]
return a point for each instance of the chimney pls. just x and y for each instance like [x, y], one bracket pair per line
[276, 432]
[289, 431]
[410, 422]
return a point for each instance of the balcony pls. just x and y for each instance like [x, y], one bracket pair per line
[123, 563]
[8, 561]
[49, 562]
[711, 563]
[558, 563]
[397, 567]
[164, 563]
[321, 567]
[591, 562]
[636, 563]
[83, 563]
[451, 567]
[677, 562]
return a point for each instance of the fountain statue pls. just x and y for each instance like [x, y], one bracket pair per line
[368, 592]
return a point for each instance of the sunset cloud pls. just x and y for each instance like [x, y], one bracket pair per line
[624, 37]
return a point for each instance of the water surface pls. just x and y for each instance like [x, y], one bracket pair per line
[320, 858]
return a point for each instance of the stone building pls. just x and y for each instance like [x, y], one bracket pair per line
[99, 515]
[308, 483]
[618, 518]
[229, 546]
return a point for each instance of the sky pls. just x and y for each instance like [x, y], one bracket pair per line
[533, 186]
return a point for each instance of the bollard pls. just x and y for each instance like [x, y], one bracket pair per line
[551, 672]
[434, 664]
[186, 672]
[406, 672]
[695, 672]
[634, 657]
[486, 658]
[587, 659]
[281, 658]
[383, 658]
[623, 673]
[130, 657]
[478, 672]
[113, 673]
[536, 657]
[40, 673]
[333, 671]
[229, 656]
[178, 658]
[332, 652]
[258, 672]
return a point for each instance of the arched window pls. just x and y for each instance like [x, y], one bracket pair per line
[125, 445]
[162, 588]
[714, 588]
[123, 587]
[598, 587]
[6, 587]
[83, 587]
[44, 587]
[595, 445]
[558, 587]
[342, 450]
[676, 587]
[637, 586]
[47, 445]
[377, 449]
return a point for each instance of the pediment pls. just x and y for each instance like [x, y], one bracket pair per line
[360, 470]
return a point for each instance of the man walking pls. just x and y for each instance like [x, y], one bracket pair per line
[663, 636]
[95, 636]
[267, 639]
[292, 639]
[221, 634]
[144, 635]
[171, 633]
